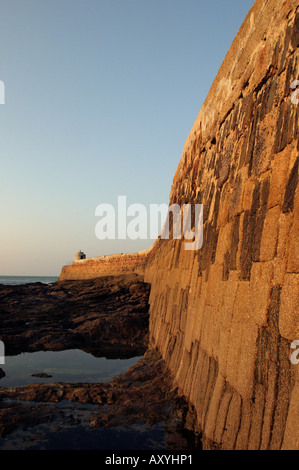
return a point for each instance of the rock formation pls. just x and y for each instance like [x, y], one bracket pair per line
[106, 317]
[224, 317]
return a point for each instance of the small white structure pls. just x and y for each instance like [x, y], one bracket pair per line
[79, 255]
[2, 353]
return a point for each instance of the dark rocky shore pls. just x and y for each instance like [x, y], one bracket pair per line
[106, 317]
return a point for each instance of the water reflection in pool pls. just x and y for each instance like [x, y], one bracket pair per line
[71, 366]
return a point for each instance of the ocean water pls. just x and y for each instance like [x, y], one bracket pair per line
[18, 280]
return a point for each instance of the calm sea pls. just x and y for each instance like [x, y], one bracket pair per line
[17, 280]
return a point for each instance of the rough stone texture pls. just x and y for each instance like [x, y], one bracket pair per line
[106, 316]
[224, 317]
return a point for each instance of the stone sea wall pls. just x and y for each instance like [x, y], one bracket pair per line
[224, 317]
[110, 265]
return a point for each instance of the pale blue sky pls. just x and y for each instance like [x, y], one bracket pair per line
[100, 98]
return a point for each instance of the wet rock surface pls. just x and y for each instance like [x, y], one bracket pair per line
[139, 409]
[105, 316]
[109, 316]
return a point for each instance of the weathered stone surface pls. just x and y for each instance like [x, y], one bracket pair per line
[101, 315]
[291, 440]
[270, 234]
[243, 158]
[289, 311]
